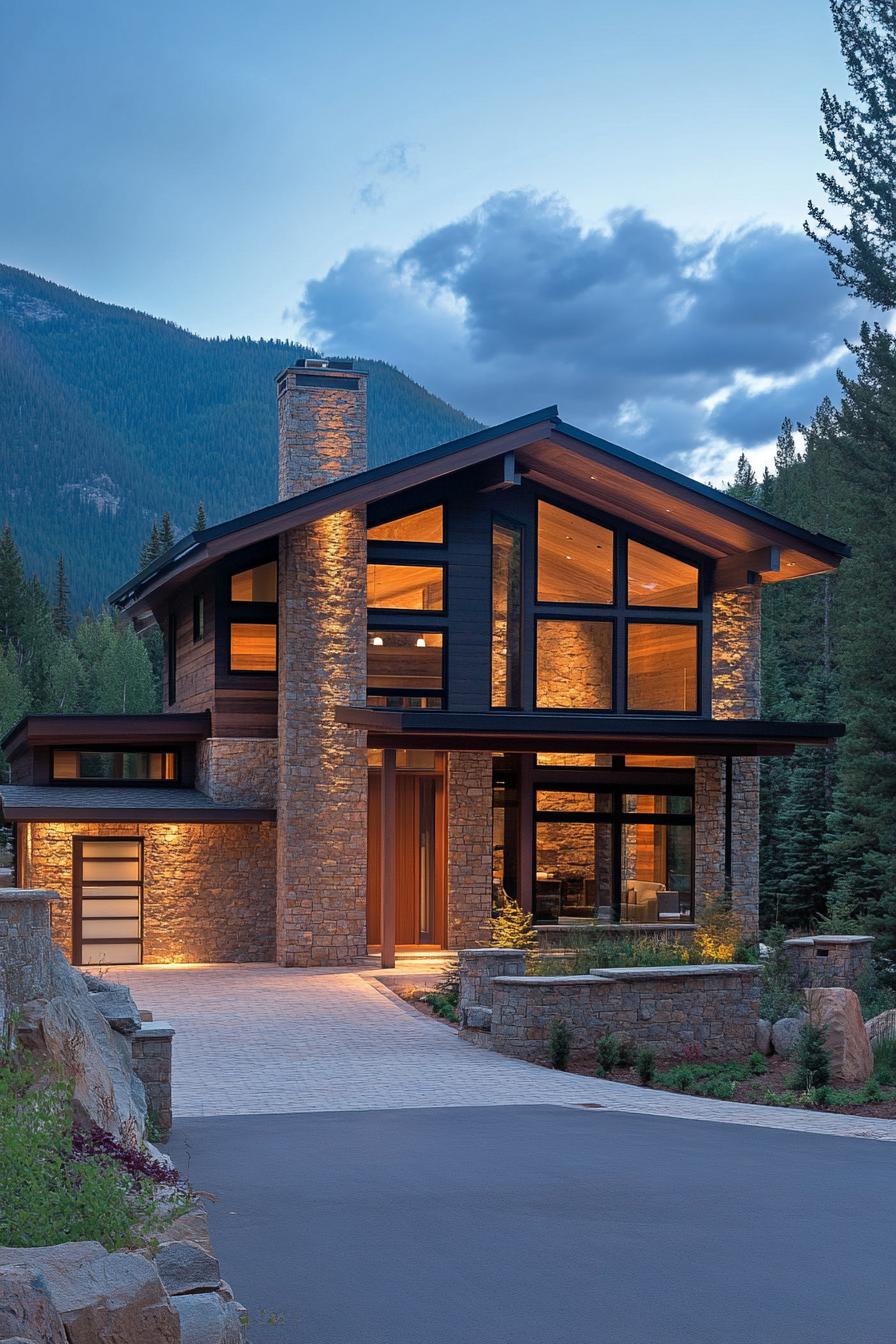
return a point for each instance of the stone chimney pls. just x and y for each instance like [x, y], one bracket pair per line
[322, 637]
[322, 412]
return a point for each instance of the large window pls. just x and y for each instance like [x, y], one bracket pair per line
[405, 668]
[659, 580]
[507, 615]
[405, 587]
[253, 619]
[575, 558]
[103, 766]
[425, 527]
[662, 668]
[574, 664]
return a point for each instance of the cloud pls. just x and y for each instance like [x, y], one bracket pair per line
[396, 160]
[688, 350]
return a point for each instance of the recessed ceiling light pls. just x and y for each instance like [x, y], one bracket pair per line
[377, 639]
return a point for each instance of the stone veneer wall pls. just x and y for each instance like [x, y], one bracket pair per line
[322, 765]
[469, 846]
[735, 695]
[25, 944]
[238, 770]
[672, 1009]
[478, 967]
[208, 891]
[835, 961]
[151, 1049]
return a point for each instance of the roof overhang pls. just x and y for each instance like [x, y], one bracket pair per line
[54, 730]
[110, 803]
[540, 447]
[443, 730]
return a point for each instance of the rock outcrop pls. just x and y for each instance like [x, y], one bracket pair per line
[882, 1027]
[26, 1309]
[81, 1040]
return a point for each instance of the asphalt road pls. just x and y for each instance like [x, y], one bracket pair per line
[546, 1225]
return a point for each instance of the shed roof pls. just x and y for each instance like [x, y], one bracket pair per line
[34, 802]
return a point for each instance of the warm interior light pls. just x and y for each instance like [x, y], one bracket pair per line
[421, 642]
[377, 640]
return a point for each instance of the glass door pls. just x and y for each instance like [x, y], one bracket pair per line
[107, 901]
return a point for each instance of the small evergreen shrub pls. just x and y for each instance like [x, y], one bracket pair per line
[512, 927]
[559, 1042]
[778, 996]
[442, 1005]
[872, 1092]
[645, 1064]
[821, 1096]
[885, 1063]
[757, 1063]
[626, 1053]
[813, 1063]
[608, 1052]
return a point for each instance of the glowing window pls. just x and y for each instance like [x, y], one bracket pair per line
[405, 587]
[114, 766]
[575, 558]
[427, 526]
[255, 585]
[253, 647]
[586, 760]
[662, 667]
[574, 665]
[659, 580]
[404, 661]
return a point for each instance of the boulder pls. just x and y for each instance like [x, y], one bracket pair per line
[763, 1038]
[26, 1309]
[838, 1014]
[185, 1267]
[102, 1298]
[206, 1318]
[82, 1041]
[65, 981]
[785, 1032]
[117, 1007]
[477, 1016]
[882, 1027]
[190, 1226]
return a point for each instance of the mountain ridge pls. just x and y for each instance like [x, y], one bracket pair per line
[110, 416]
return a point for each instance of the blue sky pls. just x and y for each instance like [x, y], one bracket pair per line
[597, 203]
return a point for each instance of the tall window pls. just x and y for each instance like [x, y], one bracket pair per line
[405, 668]
[507, 608]
[253, 619]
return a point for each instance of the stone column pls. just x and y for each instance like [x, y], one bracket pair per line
[469, 847]
[735, 695]
[322, 765]
[26, 946]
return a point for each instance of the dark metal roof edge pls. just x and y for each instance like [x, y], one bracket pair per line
[175, 720]
[204, 816]
[334, 488]
[741, 506]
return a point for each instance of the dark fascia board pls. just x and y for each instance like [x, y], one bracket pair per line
[709, 492]
[664, 733]
[546, 417]
[378, 482]
[38, 730]
[188, 816]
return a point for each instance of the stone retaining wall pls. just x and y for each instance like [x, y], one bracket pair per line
[25, 944]
[832, 962]
[151, 1058]
[674, 1009]
[478, 967]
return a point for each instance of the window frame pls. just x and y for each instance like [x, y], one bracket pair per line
[578, 511]
[93, 782]
[556, 617]
[199, 631]
[672, 617]
[670, 554]
[409, 627]
[408, 563]
[391, 516]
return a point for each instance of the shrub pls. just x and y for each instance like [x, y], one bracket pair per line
[512, 927]
[608, 1049]
[872, 1091]
[778, 995]
[813, 1061]
[719, 932]
[57, 1184]
[645, 1064]
[442, 1005]
[885, 1063]
[626, 1053]
[757, 1063]
[822, 1096]
[559, 1042]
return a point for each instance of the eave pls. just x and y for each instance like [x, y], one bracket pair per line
[48, 730]
[111, 803]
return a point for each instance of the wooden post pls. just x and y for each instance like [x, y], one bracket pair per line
[387, 853]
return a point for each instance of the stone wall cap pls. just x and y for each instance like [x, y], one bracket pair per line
[536, 981]
[28, 894]
[676, 972]
[491, 951]
[147, 1030]
[828, 939]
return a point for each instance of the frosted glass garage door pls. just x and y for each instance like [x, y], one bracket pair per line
[108, 901]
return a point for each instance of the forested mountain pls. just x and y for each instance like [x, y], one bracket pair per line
[109, 417]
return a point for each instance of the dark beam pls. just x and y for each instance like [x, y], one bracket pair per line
[387, 852]
[745, 569]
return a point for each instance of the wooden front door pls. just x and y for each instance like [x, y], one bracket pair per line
[419, 860]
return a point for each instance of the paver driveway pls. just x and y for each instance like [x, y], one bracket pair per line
[258, 1040]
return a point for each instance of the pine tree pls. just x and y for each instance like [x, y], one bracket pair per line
[859, 139]
[12, 587]
[805, 876]
[199, 525]
[125, 684]
[61, 605]
[512, 927]
[13, 695]
[745, 486]
[151, 549]
[37, 647]
[166, 533]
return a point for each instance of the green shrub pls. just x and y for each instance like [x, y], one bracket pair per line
[608, 1051]
[720, 1088]
[559, 1042]
[885, 1063]
[813, 1063]
[821, 1096]
[626, 1053]
[442, 1005]
[872, 1091]
[645, 1064]
[52, 1190]
[778, 995]
[757, 1063]
[512, 927]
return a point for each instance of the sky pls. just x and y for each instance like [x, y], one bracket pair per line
[597, 204]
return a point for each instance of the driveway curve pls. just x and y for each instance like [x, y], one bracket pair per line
[263, 1040]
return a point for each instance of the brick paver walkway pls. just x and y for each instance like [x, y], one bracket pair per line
[255, 1040]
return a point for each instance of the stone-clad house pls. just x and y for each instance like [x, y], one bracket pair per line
[525, 662]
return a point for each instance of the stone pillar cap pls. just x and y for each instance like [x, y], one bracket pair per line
[28, 894]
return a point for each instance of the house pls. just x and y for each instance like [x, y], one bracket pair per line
[525, 662]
